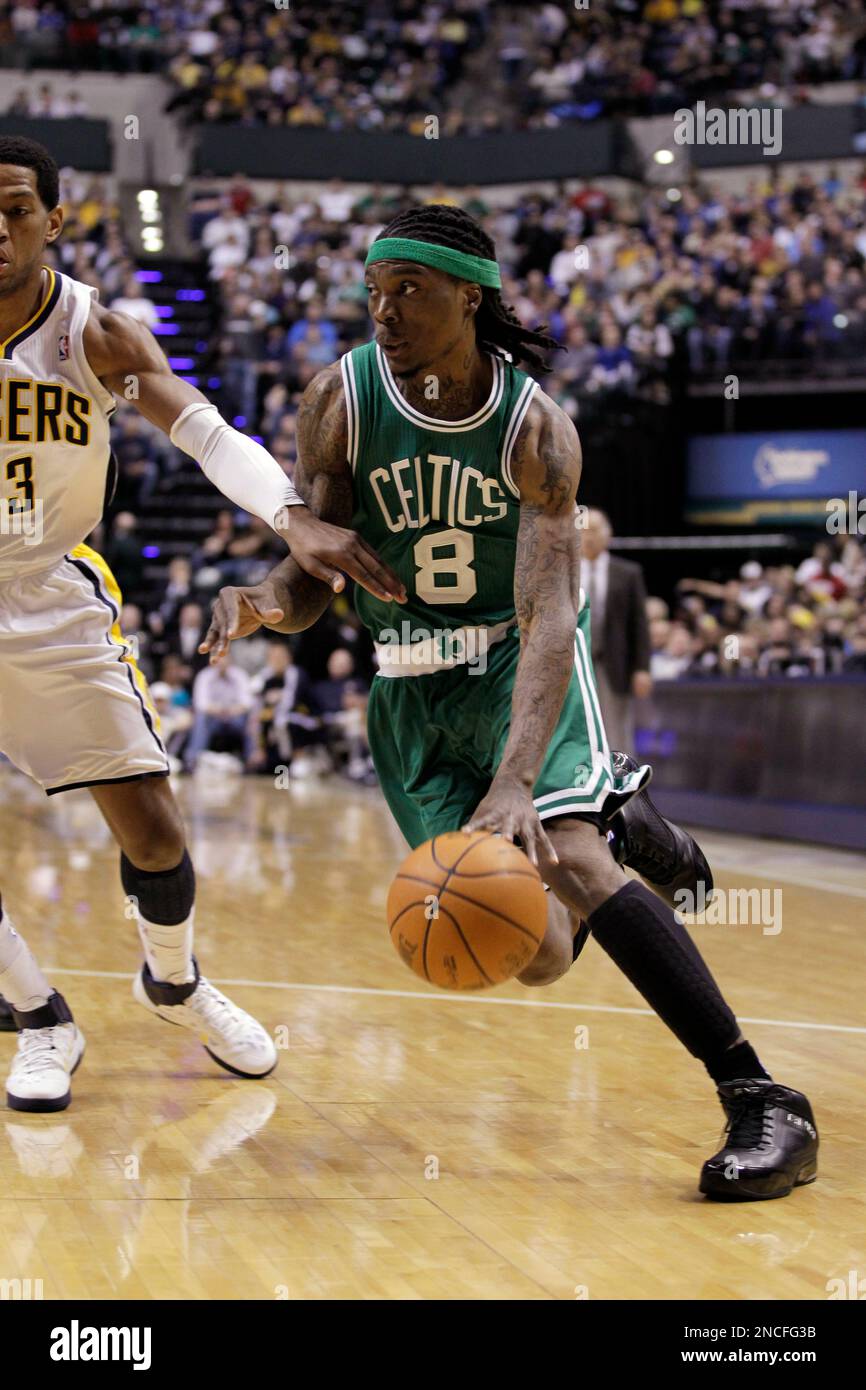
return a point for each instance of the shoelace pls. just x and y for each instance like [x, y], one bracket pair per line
[221, 1014]
[34, 1047]
[750, 1123]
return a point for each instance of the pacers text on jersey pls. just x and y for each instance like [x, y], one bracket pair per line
[42, 412]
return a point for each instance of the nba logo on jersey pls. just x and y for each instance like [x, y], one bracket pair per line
[63, 347]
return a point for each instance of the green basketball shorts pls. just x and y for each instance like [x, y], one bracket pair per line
[438, 739]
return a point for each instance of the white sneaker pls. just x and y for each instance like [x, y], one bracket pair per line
[44, 1062]
[232, 1037]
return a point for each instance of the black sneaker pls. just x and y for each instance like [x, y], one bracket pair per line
[772, 1143]
[7, 1021]
[661, 852]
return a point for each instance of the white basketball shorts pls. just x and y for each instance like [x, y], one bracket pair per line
[74, 708]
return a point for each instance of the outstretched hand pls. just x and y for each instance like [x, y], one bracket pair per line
[236, 613]
[323, 551]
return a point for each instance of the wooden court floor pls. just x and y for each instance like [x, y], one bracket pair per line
[411, 1144]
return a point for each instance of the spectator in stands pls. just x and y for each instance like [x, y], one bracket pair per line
[135, 302]
[341, 700]
[138, 455]
[222, 700]
[228, 223]
[123, 556]
[620, 632]
[285, 717]
[754, 591]
[177, 592]
[253, 548]
[314, 317]
[214, 548]
[188, 634]
[175, 720]
[137, 637]
[821, 575]
[613, 369]
[675, 658]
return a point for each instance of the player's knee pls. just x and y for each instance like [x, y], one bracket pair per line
[547, 965]
[155, 847]
[585, 880]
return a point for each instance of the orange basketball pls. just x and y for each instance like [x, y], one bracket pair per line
[467, 911]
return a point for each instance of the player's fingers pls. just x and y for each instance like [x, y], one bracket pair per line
[328, 575]
[265, 615]
[530, 844]
[365, 572]
[382, 573]
[489, 823]
[223, 623]
[544, 845]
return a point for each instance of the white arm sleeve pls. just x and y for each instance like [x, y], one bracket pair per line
[236, 465]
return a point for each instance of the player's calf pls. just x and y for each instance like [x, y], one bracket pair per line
[584, 877]
[555, 955]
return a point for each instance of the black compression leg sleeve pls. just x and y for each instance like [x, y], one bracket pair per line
[642, 936]
[165, 896]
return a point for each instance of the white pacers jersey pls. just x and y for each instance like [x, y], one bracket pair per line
[54, 433]
[74, 708]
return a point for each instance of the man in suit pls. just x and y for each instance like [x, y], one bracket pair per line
[620, 631]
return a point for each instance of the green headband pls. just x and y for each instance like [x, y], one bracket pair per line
[459, 263]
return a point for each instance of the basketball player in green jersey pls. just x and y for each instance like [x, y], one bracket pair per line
[463, 474]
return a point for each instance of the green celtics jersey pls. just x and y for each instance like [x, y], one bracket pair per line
[435, 498]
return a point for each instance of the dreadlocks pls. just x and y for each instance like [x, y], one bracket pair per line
[497, 327]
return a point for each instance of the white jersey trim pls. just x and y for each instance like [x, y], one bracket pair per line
[77, 324]
[517, 417]
[429, 422]
[350, 391]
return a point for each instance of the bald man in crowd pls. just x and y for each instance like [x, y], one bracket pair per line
[620, 631]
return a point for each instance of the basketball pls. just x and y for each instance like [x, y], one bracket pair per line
[467, 911]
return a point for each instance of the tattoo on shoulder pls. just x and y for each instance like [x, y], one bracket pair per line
[321, 473]
[546, 458]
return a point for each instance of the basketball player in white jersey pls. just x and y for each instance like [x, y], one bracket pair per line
[74, 709]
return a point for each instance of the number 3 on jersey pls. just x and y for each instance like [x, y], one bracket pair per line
[20, 471]
[448, 578]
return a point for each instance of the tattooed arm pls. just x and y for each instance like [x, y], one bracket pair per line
[290, 599]
[546, 467]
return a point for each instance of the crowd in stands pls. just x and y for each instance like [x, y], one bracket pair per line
[568, 62]
[373, 65]
[641, 290]
[782, 620]
[46, 103]
[273, 701]
[389, 66]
